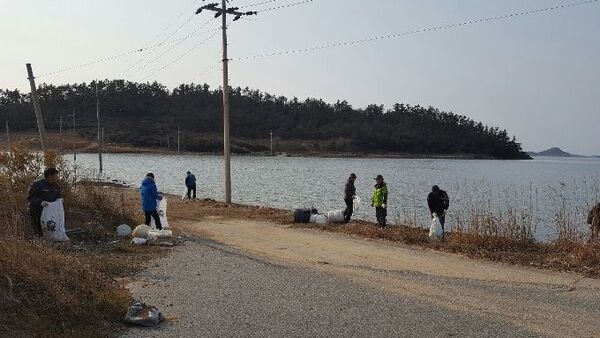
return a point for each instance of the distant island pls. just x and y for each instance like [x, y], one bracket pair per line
[553, 152]
[557, 152]
[152, 116]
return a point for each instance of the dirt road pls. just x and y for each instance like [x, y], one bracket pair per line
[470, 298]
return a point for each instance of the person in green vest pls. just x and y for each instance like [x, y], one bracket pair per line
[379, 201]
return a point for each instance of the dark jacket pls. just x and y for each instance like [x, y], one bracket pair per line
[149, 194]
[40, 191]
[349, 190]
[438, 202]
[190, 181]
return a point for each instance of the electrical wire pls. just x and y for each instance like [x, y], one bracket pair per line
[258, 3]
[284, 6]
[205, 71]
[142, 67]
[180, 57]
[417, 31]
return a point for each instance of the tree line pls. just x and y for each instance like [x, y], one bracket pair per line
[148, 115]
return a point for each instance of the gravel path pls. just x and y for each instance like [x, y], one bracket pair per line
[212, 290]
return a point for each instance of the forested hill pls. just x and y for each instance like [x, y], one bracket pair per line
[148, 114]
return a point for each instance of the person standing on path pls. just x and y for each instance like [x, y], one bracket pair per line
[379, 201]
[149, 194]
[41, 193]
[438, 203]
[349, 194]
[190, 183]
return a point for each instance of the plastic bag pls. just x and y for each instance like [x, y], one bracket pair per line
[138, 241]
[355, 203]
[139, 313]
[162, 214]
[160, 233]
[141, 231]
[435, 230]
[53, 222]
[335, 216]
[318, 219]
[123, 230]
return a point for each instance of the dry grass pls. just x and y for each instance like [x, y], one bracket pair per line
[572, 256]
[67, 289]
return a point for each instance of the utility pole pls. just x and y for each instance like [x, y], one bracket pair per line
[8, 136]
[177, 138]
[271, 143]
[99, 129]
[74, 132]
[60, 123]
[223, 11]
[38, 109]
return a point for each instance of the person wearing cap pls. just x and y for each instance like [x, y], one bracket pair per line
[438, 203]
[41, 193]
[349, 194]
[190, 183]
[379, 200]
[149, 193]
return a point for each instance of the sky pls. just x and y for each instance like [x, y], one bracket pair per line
[536, 76]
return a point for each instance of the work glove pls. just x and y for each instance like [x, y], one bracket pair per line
[383, 205]
[45, 204]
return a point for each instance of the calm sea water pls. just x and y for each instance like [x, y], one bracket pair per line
[291, 182]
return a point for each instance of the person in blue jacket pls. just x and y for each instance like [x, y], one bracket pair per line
[150, 195]
[190, 183]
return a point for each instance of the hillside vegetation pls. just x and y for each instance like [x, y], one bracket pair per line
[148, 114]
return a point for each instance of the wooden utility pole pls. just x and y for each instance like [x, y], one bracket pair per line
[74, 132]
[99, 129]
[223, 11]
[8, 136]
[38, 109]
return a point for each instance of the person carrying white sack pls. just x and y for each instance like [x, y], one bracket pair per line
[41, 193]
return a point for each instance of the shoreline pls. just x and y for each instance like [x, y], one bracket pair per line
[68, 143]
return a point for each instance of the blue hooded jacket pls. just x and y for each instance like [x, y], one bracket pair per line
[149, 194]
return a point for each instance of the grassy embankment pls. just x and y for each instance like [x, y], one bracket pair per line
[63, 289]
[481, 235]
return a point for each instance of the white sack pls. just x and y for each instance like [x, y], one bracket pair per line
[141, 231]
[435, 230]
[162, 214]
[53, 222]
[356, 203]
[335, 216]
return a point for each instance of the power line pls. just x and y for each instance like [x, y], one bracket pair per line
[205, 71]
[417, 31]
[93, 62]
[127, 71]
[180, 57]
[165, 39]
[284, 6]
[142, 67]
[258, 3]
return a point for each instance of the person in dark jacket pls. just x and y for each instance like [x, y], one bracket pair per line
[190, 183]
[41, 193]
[438, 203]
[150, 195]
[349, 194]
